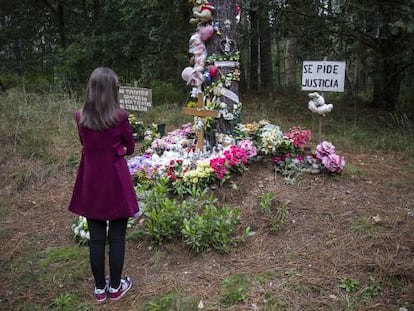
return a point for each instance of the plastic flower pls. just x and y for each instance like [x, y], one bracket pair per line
[298, 137]
[235, 156]
[271, 137]
[324, 149]
[202, 173]
[249, 148]
[332, 162]
[219, 167]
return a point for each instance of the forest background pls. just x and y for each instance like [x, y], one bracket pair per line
[47, 45]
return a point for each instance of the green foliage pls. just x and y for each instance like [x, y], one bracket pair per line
[163, 215]
[67, 302]
[55, 270]
[235, 289]
[290, 170]
[372, 290]
[40, 130]
[366, 225]
[348, 284]
[266, 201]
[202, 225]
[276, 213]
[213, 228]
[171, 302]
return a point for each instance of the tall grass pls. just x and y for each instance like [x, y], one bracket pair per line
[37, 136]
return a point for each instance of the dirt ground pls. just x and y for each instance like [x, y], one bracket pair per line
[320, 243]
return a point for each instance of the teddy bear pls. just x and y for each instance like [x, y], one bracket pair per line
[317, 104]
[202, 12]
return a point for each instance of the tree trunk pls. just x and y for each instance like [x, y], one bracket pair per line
[60, 14]
[387, 83]
[224, 45]
[254, 52]
[290, 62]
[266, 63]
[277, 64]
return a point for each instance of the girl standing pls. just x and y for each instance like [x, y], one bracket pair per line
[103, 191]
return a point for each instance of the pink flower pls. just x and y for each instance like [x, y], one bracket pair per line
[249, 148]
[324, 149]
[298, 137]
[334, 163]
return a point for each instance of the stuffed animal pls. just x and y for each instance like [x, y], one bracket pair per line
[194, 75]
[199, 51]
[202, 12]
[317, 104]
[206, 32]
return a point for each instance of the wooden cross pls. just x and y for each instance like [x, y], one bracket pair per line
[199, 111]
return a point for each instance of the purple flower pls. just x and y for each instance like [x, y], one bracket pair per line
[324, 149]
[334, 163]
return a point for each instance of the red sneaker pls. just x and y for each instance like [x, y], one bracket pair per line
[124, 287]
[100, 294]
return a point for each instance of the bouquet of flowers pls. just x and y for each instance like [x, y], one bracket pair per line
[81, 231]
[271, 137]
[298, 137]
[332, 162]
[138, 128]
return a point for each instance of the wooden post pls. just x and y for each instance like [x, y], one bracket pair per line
[199, 111]
[320, 129]
[320, 123]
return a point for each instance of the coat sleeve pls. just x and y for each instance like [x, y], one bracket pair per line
[127, 137]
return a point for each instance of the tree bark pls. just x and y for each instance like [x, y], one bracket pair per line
[254, 52]
[224, 45]
[266, 63]
[290, 62]
[387, 83]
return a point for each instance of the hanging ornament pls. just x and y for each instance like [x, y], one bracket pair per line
[228, 46]
[217, 28]
[238, 11]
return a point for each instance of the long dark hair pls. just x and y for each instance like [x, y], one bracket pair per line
[101, 109]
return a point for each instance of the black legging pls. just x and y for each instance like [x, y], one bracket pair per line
[116, 238]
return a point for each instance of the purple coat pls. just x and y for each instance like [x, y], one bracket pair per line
[103, 189]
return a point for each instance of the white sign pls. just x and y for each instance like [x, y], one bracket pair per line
[323, 76]
[134, 98]
[229, 94]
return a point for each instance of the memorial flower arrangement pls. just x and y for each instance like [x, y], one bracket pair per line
[203, 175]
[188, 170]
[271, 137]
[159, 145]
[249, 148]
[299, 137]
[331, 162]
[185, 167]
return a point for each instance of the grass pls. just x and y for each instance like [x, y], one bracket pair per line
[172, 301]
[53, 276]
[38, 137]
[235, 289]
[366, 225]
